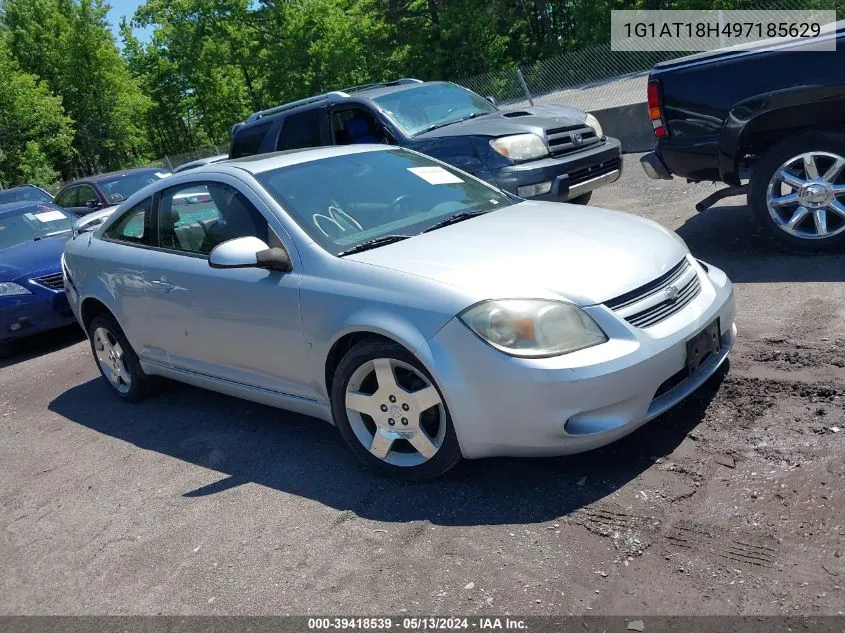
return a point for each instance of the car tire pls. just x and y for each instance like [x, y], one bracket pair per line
[584, 198]
[405, 430]
[117, 361]
[820, 227]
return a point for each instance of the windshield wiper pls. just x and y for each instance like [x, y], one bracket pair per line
[445, 123]
[41, 237]
[460, 216]
[373, 243]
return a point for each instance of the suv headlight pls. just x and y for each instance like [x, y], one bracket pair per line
[533, 328]
[520, 146]
[10, 289]
[593, 122]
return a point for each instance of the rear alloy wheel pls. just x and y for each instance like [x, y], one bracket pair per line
[391, 414]
[117, 360]
[798, 192]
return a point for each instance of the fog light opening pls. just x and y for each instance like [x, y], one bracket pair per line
[529, 191]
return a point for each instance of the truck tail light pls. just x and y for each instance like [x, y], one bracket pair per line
[655, 114]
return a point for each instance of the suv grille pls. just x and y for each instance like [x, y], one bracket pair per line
[593, 171]
[560, 139]
[53, 282]
[662, 309]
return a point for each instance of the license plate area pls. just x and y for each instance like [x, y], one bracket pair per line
[703, 346]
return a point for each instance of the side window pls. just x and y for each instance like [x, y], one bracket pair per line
[196, 217]
[356, 125]
[247, 140]
[67, 198]
[133, 226]
[301, 130]
[86, 195]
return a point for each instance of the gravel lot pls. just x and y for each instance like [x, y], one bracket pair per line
[196, 503]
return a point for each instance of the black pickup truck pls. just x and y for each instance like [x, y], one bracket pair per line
[768, 121]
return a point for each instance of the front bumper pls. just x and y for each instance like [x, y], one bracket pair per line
[570, 175]
[506, 406]
[25, 315]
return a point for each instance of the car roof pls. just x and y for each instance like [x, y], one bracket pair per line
[26, 186]
[201, 161]
[259, 163]
[111, 174]
[7, 207]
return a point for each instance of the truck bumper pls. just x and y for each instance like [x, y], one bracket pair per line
[565, 177]
[654, 167]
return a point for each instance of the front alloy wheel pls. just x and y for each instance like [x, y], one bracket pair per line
[390, 413]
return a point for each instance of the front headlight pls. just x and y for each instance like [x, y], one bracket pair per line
[10, 289]
[533, 328]
[593, 122]
[520, 146]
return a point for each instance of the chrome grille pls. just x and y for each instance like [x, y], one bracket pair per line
[53, 282]
[658, 309]
[561, 141]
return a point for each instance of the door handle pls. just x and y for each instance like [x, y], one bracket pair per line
[167, 286]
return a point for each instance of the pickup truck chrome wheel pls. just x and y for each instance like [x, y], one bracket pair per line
[112, 360]
[395, 412]
[805, 195]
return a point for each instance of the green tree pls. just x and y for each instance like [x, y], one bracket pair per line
[35, 134]
[68, 44]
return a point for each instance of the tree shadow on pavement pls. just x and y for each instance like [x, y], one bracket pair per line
[40, 345]
[728, 237]
[303, 456]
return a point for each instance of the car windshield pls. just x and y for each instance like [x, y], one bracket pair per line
[344, 201]
[418, 109]
[21, 194]
[27, 223]
[119, 188]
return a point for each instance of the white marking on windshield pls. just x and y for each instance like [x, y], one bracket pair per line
[435, 175]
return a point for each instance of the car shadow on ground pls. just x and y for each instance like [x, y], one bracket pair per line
[306, 457]
[40, 345]
[728, 237]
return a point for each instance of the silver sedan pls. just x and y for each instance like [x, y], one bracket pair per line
[426, 314]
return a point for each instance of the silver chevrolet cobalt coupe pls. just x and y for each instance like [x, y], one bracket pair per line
[426, 314]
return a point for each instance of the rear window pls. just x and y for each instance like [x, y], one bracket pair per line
[247, 140]
[300, 130]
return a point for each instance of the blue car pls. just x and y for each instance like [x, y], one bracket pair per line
[32, 295]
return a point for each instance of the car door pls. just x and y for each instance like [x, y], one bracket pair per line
[241, 325]
[67, 199]
[88, 200]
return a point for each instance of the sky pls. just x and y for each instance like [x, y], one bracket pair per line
[121, 8]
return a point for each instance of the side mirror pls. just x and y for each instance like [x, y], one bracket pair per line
[249, 252]
[492, 100]
[93, 204]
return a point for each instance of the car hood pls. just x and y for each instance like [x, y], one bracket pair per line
[536, 119]
[41, 257]
[538, 249]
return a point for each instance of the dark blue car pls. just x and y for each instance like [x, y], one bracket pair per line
[32, 295]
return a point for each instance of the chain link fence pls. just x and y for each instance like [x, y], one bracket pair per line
[172, 161]
[597, 77]
[589, 78]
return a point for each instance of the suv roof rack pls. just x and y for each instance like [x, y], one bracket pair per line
[344, 92]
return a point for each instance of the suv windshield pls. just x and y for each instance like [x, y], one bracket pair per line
[418, 109]
[27, 223]
[344, 201]
[119, 188]
[28, 192]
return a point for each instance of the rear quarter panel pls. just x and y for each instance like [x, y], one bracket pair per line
[112, 274]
